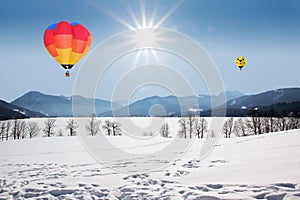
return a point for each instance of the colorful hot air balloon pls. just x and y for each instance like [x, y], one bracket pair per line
[67, 43]
[240, 61]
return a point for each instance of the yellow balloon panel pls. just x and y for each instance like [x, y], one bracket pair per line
[64, 56]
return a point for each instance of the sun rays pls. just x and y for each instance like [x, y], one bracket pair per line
[143, 18]
[144, 22]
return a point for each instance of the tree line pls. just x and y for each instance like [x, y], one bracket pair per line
[197, 127]
[189, 127]
[19, 129]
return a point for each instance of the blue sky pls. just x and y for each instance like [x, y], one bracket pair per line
[266, 32]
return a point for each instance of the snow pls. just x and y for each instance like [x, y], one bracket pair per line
[254, 167]
[233, 102]
[194, 110]
[16, 110]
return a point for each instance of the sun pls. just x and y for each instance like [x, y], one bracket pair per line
[145, 37]
[144, 25]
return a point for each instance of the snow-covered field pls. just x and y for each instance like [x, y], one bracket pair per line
[255, 167]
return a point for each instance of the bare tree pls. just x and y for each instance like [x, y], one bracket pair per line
[183, 127]
[15, 128]
[277, 124]
[19, 129]
[2, 129]
[282, 123]
[266, 125]
[228, 127]
[254, 124]
[191, 122]
[93, 126]
[72, 126]
[201, 127]
[8, 126]
[22, 130]
[240, 127]
[116, 128]
[33, 129]
[107, 127]
[49, 127]
[164, 130]
[293, 123]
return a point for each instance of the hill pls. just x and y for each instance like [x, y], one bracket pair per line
[59, 106]
[9, 111]
[280, 102]
[170, 105]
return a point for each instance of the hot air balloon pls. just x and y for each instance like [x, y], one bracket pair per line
[240, 61]
[67, 43]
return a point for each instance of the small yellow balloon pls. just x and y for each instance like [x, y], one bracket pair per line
[240, 61]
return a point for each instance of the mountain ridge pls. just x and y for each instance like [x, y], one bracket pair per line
[61, 106]
[9, 111]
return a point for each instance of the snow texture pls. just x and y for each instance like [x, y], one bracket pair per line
[254, 167]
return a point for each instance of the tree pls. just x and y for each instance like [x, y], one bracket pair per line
[201, 127]
[107, 127]
[271, 114]
[8, 126]
[49, 127]
[93, 126]
[266, 125]
[19, 129]
[282, 123]
[164, 130]
[183, 127]
[240, 127]
[228, 127]
[254, 124]
[293, 123]
[116, 128]
[2, 129]
[190, 122]
[33, 129]
[72, 126]
[23, 130]
[15, 128]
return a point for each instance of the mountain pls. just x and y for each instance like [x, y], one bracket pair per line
[279, 102]
[237, 105]
[232, 94]
[170, 105]
[9, 111]
[60, 106]
[284, 95]
[283, 109]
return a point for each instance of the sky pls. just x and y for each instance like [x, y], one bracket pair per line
[266, 32]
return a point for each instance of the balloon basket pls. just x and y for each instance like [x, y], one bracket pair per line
[67, 74]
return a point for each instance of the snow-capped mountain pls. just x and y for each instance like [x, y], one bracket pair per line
[237, 104]
[284, 95]
[59, 106]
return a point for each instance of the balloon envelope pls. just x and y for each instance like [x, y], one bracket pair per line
[67, 42]
[240, 61]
